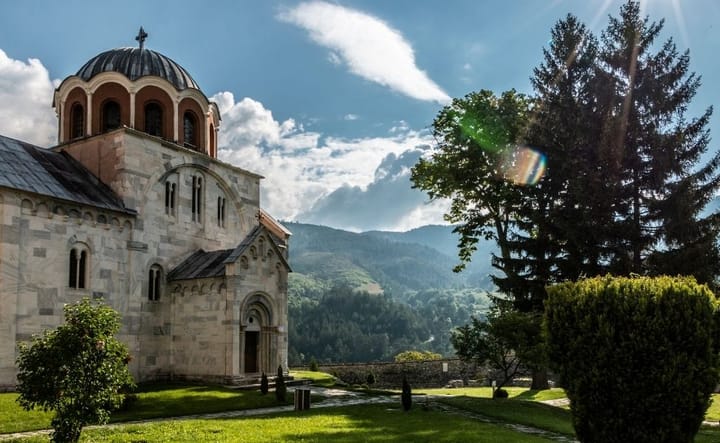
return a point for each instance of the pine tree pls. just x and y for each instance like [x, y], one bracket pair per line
[406, 396]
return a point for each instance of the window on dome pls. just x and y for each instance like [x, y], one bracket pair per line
[77, 121]
[110, 116]
[190, 130]
[153, 119]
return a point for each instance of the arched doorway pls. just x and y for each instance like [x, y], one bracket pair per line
[257, 336]
[252, 343]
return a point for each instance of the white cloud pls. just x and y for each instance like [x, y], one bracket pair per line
[350, 117]
[368, 46]
[303, 167]
[26, 93]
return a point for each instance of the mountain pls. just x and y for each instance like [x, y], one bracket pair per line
[396, 261]
[368, 296]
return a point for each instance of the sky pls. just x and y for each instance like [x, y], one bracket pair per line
[332, 102]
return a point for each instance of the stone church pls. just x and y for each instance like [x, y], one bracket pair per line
[133, 206]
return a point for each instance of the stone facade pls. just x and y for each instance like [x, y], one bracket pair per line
[221, 321]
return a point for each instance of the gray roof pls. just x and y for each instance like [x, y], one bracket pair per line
[54, 174]
[203, 264]
[135, 63]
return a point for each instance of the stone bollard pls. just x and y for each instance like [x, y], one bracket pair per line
[302, 399]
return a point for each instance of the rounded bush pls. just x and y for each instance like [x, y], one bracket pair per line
[500, 393]
[638, 357]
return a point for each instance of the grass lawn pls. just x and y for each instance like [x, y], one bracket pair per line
[366, 423]
[318, 378]
[154, 400]
[486, 392]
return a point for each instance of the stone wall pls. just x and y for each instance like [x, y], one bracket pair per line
[430, 374]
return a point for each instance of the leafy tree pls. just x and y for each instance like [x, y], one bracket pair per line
[406, 396]
[280, 388]
[507, 341]
[79, 370]
[475, 134]
[638, 357]
[264, 388]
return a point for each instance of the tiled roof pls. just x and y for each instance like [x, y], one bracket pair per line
[54, 174]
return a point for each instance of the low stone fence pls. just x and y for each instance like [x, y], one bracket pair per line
[426, 374]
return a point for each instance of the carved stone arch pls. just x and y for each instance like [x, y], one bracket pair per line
[58, 210]
[127, 226]
[75, 215]
[253, 252]
[102, 219]
[244, 262]
[88, 217]
[41, 210]
[27, 207]
[261, 302]
[222, 289]
[203, 289]
[195, 290]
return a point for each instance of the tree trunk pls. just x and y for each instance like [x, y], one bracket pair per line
[540, 380]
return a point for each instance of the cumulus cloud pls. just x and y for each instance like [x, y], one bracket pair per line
[307, 174]
[26, 95]
[368, 46]
[387, 203]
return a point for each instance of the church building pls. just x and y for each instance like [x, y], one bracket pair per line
[134, 208]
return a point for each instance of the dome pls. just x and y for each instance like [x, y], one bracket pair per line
[134, 63]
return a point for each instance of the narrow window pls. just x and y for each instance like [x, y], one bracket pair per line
[77, 271]
[77, 121]
[221, 212]
[154, 283]
[169, 198]
[189, 130]
[196, 198]
[110, 116]
[153, 119]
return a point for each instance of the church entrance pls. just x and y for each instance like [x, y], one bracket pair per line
[251, 351]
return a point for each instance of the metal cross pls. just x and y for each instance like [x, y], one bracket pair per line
[142, 35]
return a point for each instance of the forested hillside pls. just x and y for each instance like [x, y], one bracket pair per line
[368, 296]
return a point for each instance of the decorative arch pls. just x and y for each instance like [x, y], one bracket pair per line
[106, 115]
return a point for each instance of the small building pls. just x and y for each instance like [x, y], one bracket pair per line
[133, 207]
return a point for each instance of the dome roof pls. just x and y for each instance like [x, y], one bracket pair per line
[134, 63]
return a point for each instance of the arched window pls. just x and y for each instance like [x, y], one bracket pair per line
[78, 267]
[77, 121]
[197, 194]
[221, 212]
[154, 282]
[190, 130]
[170, 197]
[153, 119]
[110, 116]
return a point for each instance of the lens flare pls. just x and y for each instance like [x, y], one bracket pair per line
[523, 165]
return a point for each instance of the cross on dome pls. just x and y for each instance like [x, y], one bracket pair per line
[142, 35]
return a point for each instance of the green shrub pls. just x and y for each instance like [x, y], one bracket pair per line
[500, 393]
[638, 357]
[406, 397]
[313, 364]
[264, 384]
[406, 356]
[370, 378]
[79, 370]
[280, 388]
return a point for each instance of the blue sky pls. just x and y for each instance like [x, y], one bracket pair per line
[330, 101]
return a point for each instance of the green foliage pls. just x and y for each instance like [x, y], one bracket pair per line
[509, 341]
[468, 166]
[79, 370]
[416, 356]
[406, 396]
[500, 393]
[313, 364]
[370, 379]
[264, 385]
[638, 357]
[280, 388]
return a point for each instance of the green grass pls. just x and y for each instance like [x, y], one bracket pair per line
[13, 418]
[486, 392]
[154, 401]
[367, 423]
[318, 378]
